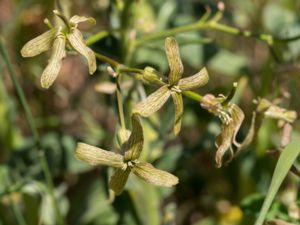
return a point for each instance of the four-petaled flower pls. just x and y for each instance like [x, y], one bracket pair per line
[175, 86]
[56, 39]
[129, 162]
[232, 117]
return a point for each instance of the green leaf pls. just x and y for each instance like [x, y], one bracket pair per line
[97, 156]
[285, 161]
[175, 63]
[154, 176]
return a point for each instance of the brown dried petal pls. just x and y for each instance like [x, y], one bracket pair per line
[39, 44]
[97, 156]
[118, 180]
[134, 146]
[175, 63]
[178, 103]
[227, 137]
[76, 40]
[51, 71]
[153, 102]
[198, 80]
[154, 176]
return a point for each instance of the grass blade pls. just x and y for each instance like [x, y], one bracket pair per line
[286, 159]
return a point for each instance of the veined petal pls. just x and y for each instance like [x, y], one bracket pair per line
[178, 103]
[51, 71]
[39, 44]
[198, 80]
[134, 145]
[75, 20]
[97, 156]
[175, 63]
[118, 180]
[154, 176]
[76, 40]
[229, 130]
[153, 102]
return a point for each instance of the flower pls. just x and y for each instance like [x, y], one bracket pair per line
[174, 87]
[232, 118]
[56, 39]
[127, 163]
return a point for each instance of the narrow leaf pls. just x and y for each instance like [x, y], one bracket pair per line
[39, 44]
[175, 64]
[51, 71]
[153, 102]
[178, 103]
[118, 180]
[198, 80]
[154, 176]
[286, 160]
[76, 40]
[134, 146]
[97, 156]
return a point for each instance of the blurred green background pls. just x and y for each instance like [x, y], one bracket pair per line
[72, 110]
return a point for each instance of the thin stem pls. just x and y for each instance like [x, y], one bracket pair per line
[32, 127]
[20, 93]
[130, 70]
[193, 95]
[201, 25]
[96, 37]
[108, 60]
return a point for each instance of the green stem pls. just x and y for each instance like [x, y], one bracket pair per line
[17, 212]
[193, 95]
[201, 25]
[33, 128]
[108, 60]
[96, 37]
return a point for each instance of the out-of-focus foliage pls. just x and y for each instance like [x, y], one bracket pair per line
[72, 111]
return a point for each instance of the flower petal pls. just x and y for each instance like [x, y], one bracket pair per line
[199, 79]
[118, 180]
[229, 130]
[76, 40]
[173, 55]
[154, 176]
[51, 71]
[75, 20]
[178, 103]
[134, 146]
[39, 44]
[97, 156]
[153, 102]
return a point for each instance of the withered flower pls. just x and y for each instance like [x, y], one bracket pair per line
[174, 87]
[56, 39]
[232, 118]
[273, 111]
[127, 163]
